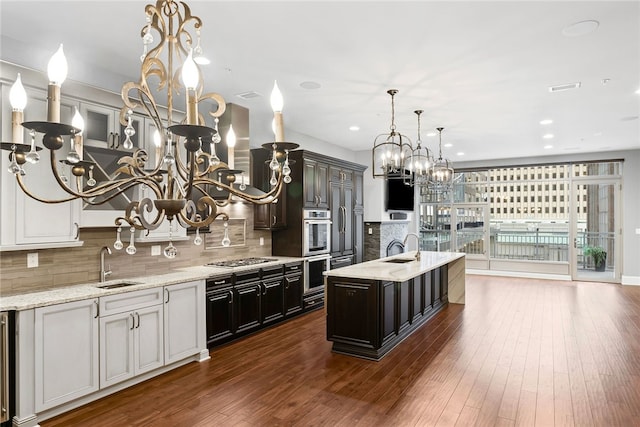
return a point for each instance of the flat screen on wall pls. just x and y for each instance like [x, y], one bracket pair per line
[399, 197]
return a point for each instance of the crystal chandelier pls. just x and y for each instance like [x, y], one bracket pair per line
[420, 162]
[186, 164]
[391, 150]
[441, 173]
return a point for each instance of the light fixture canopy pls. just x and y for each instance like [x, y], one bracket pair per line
[391, 151]
[183, 172]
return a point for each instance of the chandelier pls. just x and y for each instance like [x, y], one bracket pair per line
[391, 150]
[420, 162]
[441, 173]
[186, 164]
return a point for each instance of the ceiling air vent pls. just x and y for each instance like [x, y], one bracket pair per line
[249, 95]
[568, 86]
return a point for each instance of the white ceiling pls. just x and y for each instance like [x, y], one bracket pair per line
[479, 69]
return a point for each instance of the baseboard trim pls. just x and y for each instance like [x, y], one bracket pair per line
[630, 280]
[522, 274]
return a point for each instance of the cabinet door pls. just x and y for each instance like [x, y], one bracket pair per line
[293, 290]
[316, 180]
[347, 218]
[322, 185]
[62, 219]
[417, 300]
[149, 339]
[352, 315]
[184, 320]
[337, 219]
[100, 128]
[358, 190]
[310, 187]
[272, 300]
[220, 315]
[116, 348]
[66, 352]
[247, 305]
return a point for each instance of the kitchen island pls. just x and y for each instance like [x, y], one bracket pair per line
[373, 306]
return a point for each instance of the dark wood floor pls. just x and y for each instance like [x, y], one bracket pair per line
[521, 352]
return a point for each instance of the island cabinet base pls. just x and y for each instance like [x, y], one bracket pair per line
[368, 318]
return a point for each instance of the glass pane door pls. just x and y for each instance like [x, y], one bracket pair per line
[435, 227]
[596, 243]
[471, 230]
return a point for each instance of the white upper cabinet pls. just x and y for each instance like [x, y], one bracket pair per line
[25, 221]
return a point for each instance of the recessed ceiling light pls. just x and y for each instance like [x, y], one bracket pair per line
[448, 145]
[548, 147]
[310, 85]
[431, 134]
[547, 136]
[546, 122]
[563, 87]
[459, 153]
[638, 92]
[354, 128]
[581, 28]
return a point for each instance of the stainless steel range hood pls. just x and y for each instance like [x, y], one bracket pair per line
[239, 156]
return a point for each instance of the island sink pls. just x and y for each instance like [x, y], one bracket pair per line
[400, 260]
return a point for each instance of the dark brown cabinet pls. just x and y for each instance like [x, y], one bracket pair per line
[293, 289]
[315, 182]
[220, 315]
[271, 216]
[247, 301]
[367, 318]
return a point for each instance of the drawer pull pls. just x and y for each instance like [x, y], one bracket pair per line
[219, 282]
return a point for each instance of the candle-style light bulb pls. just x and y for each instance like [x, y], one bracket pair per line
[78, 122]
[231, 137]
[277, 103]
[77, 148]
[18, 100]
[157, 140]
[57, 67]
[57, 70]
[17, 95]
[190, 78]
[190, 74]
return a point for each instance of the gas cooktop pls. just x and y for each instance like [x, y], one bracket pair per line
[240, 262]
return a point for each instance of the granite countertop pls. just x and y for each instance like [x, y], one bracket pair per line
[382, 269]
[91, 290]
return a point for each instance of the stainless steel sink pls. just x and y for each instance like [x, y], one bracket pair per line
[400, 260]
[117, 285]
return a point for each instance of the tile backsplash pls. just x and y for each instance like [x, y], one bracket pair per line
[69, 266]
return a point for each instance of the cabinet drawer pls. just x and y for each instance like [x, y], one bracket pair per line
[293, 268]
[126, 301]
[274, 271]
[217, 282]
[247, 276]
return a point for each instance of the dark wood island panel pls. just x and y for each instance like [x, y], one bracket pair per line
[368, 317]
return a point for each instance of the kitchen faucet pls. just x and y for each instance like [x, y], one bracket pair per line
[404, 242]
[104, 273]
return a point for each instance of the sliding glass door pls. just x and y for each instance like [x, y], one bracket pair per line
[596, 230]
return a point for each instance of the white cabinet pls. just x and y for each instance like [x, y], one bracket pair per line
[25, 221]
[103, 128]
[184, 320]
[66, 352]
[130, 344]
[131, 335]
